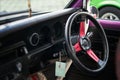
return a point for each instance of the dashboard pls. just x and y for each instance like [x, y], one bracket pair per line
[23, 42]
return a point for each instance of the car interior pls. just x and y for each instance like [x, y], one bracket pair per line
[68, 44]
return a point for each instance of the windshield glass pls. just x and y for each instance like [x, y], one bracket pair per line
[36, 5]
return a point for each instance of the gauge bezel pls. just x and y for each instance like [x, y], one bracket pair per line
[32, 37]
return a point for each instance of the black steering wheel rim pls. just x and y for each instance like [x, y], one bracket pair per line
[70, 49]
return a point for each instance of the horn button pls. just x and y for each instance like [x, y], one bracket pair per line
[85, 43]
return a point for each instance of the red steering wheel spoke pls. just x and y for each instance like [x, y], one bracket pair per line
[82, 29]
[93, 55]
[77, 47]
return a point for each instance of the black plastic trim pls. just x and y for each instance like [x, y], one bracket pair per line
[22, 24]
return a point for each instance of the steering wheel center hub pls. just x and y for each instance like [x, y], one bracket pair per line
[85, 43]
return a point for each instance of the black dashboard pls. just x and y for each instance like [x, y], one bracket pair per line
[23, 42]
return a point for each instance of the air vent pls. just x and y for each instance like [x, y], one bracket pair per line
[12, 52]
[8, 56]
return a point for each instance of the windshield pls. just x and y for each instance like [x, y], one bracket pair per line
[7, 6]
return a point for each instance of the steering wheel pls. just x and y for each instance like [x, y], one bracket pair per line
[84, 43]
